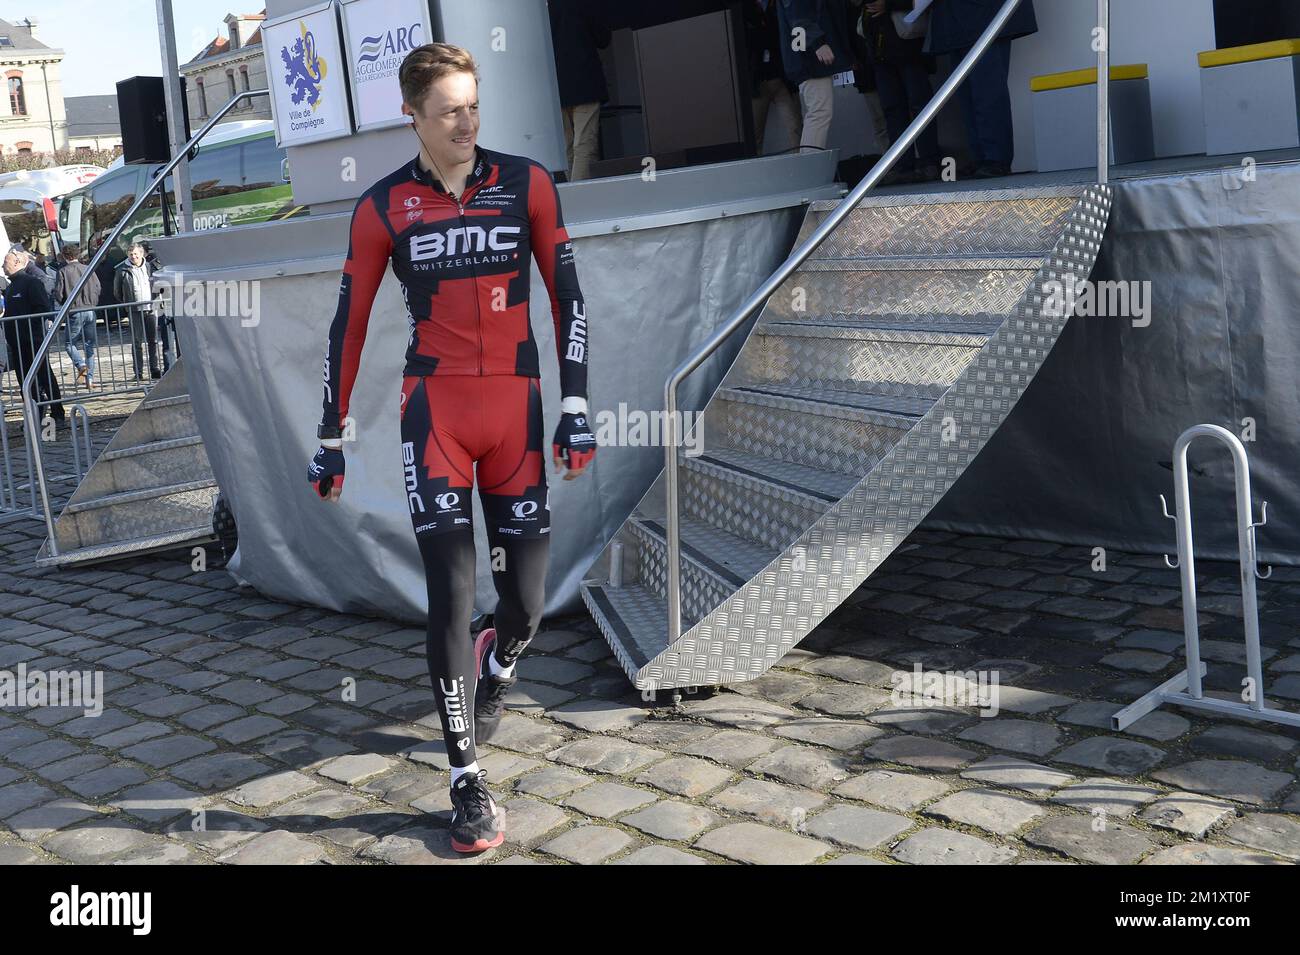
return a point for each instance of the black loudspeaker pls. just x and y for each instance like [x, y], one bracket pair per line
[142, 111]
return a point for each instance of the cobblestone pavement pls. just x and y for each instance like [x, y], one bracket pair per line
[227, 736]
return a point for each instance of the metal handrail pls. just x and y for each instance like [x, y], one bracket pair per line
[29, 405]
[1102, 42]
[799, 255]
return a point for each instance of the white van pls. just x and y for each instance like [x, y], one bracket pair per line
[29, 201]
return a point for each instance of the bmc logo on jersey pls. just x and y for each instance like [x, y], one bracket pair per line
[462, 240]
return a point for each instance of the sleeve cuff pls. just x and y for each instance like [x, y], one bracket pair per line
[573, 406]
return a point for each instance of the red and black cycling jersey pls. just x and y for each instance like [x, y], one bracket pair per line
[464, 268]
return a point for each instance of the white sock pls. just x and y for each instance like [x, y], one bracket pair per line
[459, 771]
[497, 669]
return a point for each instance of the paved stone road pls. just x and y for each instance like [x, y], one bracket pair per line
[226, 736]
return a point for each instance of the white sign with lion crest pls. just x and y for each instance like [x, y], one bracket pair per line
[307, 75]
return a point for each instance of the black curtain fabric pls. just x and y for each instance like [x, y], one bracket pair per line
[1239, 22]
[638, 14]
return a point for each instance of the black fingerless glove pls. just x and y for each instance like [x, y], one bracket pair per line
[574, 441]
[326, 470]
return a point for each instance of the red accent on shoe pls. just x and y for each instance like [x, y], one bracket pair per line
[480, 845]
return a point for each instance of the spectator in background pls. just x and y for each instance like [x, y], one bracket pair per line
[902, 73]
[48, 274]
[864, 79]
[133, 287]
[814, 47]
[26, 296]
[769, 89]
[955, 25]
[82, 336]
[578, 29]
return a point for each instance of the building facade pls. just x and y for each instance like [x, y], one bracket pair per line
[32, 116]
[231, 63]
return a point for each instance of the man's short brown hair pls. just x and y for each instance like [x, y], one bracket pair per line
[427, 64]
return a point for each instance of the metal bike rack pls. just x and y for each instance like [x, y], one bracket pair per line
[1185, 688]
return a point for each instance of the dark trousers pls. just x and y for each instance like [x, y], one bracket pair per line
[24, 338]
[986, 103]
[144, 330]
[904, 90]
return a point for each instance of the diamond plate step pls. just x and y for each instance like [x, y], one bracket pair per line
[836, 431]
[132, 547]
[956, 292]
[158, 419]
[759, 498]
[136, 514]
[977, 324]
[157, 464]
[714, 562]
[633, 620]
[903, 263]
[1009, 222]
[881, 361]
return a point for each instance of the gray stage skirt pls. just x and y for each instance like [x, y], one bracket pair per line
[1086, 453]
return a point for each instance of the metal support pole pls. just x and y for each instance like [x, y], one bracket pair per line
[49, 111]
[175, 114]
[1102, 42]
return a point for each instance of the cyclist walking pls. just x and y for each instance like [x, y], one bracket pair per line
[459, 223]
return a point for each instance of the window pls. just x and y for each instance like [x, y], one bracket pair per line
[234, 36]
[17, 101]
[23, 148]
[243, 76]
[203, 100]
[230, 83]
[84, 150]
[6, 41]
[24, 221]
[106, 202]
[215, 172]
[261, 163]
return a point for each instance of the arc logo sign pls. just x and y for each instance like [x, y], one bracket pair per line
[379, 34]
[309, 98]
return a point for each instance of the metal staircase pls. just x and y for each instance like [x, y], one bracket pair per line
[874, 374]
[151, 489]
